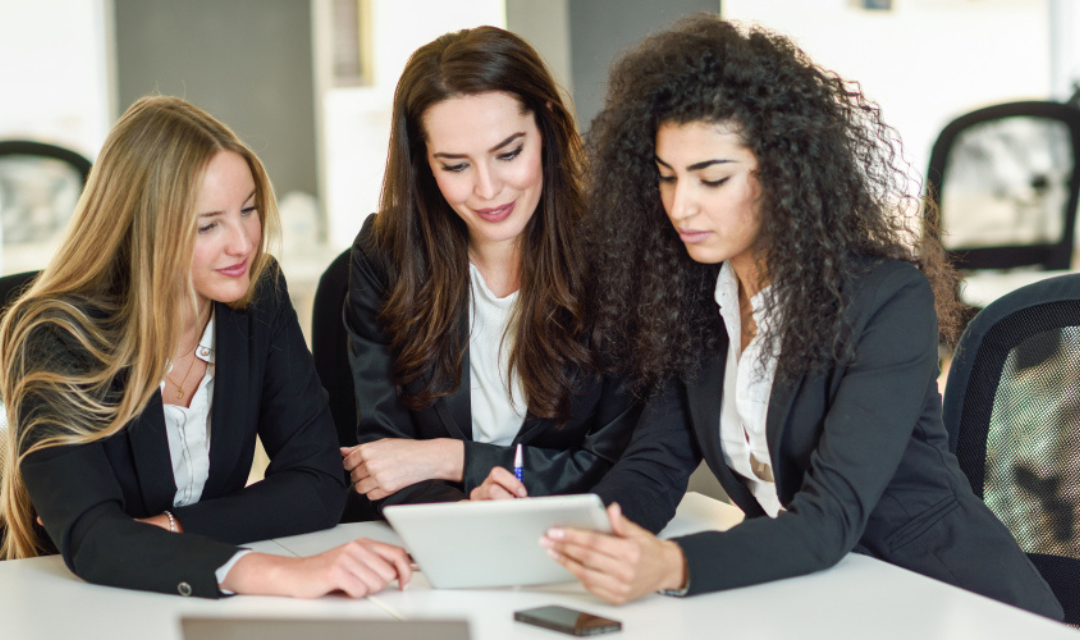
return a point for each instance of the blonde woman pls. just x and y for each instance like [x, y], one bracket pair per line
[142, 364]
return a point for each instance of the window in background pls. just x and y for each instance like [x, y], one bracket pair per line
[54, 76]
[355, 120]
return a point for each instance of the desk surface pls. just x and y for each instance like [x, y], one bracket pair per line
[860, 597]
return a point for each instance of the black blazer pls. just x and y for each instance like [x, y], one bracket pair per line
[265, 386]
[861, 462]
[558, 460]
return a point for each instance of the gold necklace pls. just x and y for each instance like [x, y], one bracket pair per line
[180, 387]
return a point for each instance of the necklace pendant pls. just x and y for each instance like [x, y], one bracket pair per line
[179, 394]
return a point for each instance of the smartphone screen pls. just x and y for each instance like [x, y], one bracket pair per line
[571, 621]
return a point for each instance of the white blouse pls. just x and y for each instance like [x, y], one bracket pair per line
[188, 428]
[498, 404]
[747, 386]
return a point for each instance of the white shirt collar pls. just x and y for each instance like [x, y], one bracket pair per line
[727, 297]
[206, 348]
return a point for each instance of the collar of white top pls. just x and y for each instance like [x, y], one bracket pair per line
[727, 296]
[205, 349]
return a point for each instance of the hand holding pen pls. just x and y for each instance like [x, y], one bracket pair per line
[501, 484]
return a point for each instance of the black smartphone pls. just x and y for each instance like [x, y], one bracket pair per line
[571, 621]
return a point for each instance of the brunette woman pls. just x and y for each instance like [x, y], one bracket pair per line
[467, 311]
[142, 364]
[759, 278]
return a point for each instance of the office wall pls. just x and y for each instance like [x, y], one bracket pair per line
[546, 25]
[600, 29]
[248, 62]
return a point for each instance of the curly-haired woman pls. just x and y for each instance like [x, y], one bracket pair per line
[732, 172]
[467, 316]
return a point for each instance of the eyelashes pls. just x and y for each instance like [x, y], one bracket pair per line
[245, 212]
[504, 157]
[510, 155]
[708, 183]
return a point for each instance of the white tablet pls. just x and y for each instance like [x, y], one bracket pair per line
[492, 543]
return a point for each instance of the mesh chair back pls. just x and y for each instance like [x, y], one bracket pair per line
[1006, 179]
[10, 288]
[1012, 407]
[39, 187]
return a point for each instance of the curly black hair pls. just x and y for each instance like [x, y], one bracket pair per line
[834, 192]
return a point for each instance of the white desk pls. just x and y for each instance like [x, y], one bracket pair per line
[859, 598]
[41, 600]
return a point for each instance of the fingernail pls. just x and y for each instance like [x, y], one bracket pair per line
[546, 543]
[553, 554]
[555, 533]
[521, 492]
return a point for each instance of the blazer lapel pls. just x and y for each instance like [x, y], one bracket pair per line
[704, 396]
[781, 402]
[455, 410]
[231, 397]
[150, 451]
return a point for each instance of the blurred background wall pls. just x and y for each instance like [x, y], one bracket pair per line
[272, 69]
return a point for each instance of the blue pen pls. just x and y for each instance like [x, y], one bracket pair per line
[518, 464]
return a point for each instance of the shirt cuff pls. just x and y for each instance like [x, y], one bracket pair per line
[676, 593]
[224, 569]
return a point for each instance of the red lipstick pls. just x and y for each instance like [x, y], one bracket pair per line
[496, 214]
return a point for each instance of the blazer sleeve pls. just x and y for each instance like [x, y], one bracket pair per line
[575, 469]
[79, 499]
[303, 489]
[380, 411]
[650, 478]
[80, 502]
[867, 427]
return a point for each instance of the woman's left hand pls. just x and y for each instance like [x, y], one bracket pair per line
[386, 466]
[618, 568]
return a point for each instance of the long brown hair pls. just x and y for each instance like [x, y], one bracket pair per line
[428, 242]
[85, 348]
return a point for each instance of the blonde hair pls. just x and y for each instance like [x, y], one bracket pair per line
[85, 348]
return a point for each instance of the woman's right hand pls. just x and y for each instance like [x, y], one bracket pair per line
[358, 568]
[384, 467]
[499, 485]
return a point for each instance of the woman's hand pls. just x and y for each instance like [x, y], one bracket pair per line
[358, 568]
[499, 485]
[386, 466]
[620, 567]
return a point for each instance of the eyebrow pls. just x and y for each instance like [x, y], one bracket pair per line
[209, 214]
[454, 156]
[697, 166]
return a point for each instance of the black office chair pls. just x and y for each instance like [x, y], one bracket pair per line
[329, 346]
[1006, 180]
[11, 287]
[39, 186]
[1012, 407]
